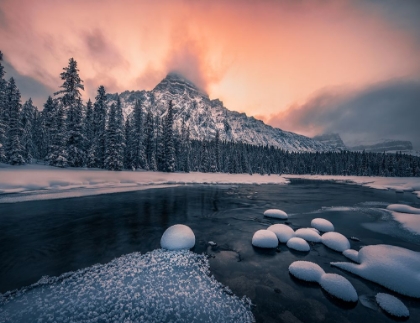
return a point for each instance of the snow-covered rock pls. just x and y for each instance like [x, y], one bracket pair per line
[178, 237]
[335, 241]
[322, 225]
[403, 208]
[282, 231]
[335, 285]
[392, 305]
[307, 271]
[339, 287]
[395, 268]
[308, 234]
[276, 213]
[352, 254]
[298, 244]
[159, 286]
[265, 239]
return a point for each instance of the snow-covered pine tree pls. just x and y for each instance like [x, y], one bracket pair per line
[58, 152]
[72, 85]
[14, 149]
[128, 152]
[27, 119]
[139, 155]
[38, 134]
[187, 151]
[159, 145]
[204, 158]
[217, 150]
[148, 140]
[114, 138]
[99, 130]
[3, 111]
[48, 121]
[89, 143]
[169, 145]
[76, 139]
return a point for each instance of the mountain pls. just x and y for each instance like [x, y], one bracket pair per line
[387, 145]
[205, 116]
[331, 139]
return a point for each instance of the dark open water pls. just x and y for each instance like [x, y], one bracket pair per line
[53, 237]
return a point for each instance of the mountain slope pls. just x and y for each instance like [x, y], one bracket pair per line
[332, 139]
[205, 116]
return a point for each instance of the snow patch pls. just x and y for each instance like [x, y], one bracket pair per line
[265, 239]
[298, 244]
[392, 305]
[308, 234]
[282, 231]
[393, 267]
[306, 270]
[276, 213]
[178, 237]
[403, 208]
[322, 225]
[352, 254]
[335, 241]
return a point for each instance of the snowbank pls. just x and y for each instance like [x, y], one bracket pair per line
[178, 237]
[402, 208]
[408, 216]
[298, 244]
[276, 213]
[322, 225]
[393, 267]
[159, 286]
[35, 182]
[352, 254]
[335, 285]
[335, 241]
[265, 239]
[392, 305]
[282, 231]
[400, 184]
[308, 234]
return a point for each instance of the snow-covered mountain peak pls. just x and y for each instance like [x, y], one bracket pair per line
[177, 84]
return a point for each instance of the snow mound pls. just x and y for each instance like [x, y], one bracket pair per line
[276, 213]
[334, 284]
[265, 239]
[308, 234]
[393, 267]
[339, 287]
[298, 244]
[335, 241]
[392, 305]
[178, 237]
[352, 254]
[322, 225]
[306, 270]
[403, 208]
[159, 286]
[282, 231]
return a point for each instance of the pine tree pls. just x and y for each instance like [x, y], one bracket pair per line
[168, 135]
[217, 149]
[27, 122]
[114, 138]
[71, 86]
[14, 149]
[76, 139]
[58, 152]
[88, 125]
[159, 145]
[48, 121]
[99, 129]
[187, 150]
[139, 155]
[148, 140]
[3, 111]
[204, 158]
[128, 151]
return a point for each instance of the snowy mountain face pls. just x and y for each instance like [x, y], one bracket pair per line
[331, 139]
[204, 116]
[385, 145]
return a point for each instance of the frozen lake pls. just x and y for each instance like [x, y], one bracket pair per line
[53, 237]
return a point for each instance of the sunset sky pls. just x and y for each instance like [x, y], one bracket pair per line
[344, 66]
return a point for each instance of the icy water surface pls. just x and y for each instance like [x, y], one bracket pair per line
[54, 237]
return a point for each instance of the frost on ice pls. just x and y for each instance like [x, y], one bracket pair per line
[159, 286]
[322, 225]
[178, 237]
[335, 241]
[282, 231]
[265, 239]
[392, 305]
[335, 285]
[298, 244]
[276, 213]
[393, 267]
[308, 234]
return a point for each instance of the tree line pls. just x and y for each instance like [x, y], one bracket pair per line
[70, 133]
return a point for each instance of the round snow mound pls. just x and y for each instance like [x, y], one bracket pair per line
[178, 237]
[282, 231]
[275, 213]
[322, 225]
[265, 239]
[306, 270]
[335, 241]
[298, 244]
[392, 305]
[352, 254]
[308, 234]
[339, 287]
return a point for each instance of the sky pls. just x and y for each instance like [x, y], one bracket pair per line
[315, 66]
